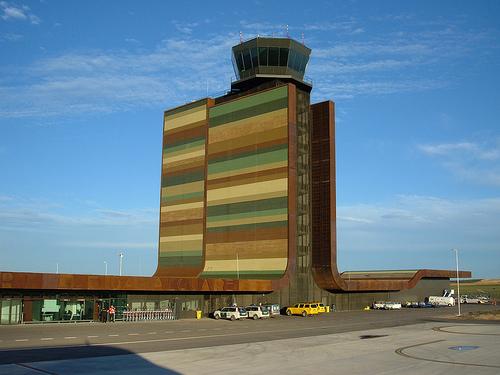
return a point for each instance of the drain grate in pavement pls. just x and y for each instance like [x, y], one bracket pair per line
[364, 337]
[463, 347]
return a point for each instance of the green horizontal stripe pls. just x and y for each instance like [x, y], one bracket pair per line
[180, 261]
[182, 142]
[249, 101]
[248, 112]
[231, 156]
[243, 215]
[248, 227]
[169, 149]
[183, 178]
[244, 274]
[249, 161]
[180, 197]
[240, 207]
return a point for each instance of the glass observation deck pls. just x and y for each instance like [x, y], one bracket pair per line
[264, 57]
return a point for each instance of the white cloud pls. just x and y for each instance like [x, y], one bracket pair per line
[23, 13]
[474, 162]
[409, 223]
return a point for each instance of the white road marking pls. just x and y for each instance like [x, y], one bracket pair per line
[151, 333]
[46, 338]
[133, 334]
[168, 331]
[113, 335]
[92, 337]
[19, 340]
[70, 337]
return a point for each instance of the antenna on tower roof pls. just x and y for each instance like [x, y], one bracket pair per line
[303, 39]
[287, 33]
[241, 37]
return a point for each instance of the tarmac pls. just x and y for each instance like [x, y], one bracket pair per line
[424, 348]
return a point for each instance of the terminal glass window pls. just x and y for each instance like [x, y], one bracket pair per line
[291, 59]
[246, 60]
[263, 56]
[273, 56]
[283, 56]
[255, 57]
[239, 60]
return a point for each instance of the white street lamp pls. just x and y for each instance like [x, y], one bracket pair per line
[121, 263]
[105, 268]
[458, 280]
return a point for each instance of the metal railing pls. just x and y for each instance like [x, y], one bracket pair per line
[144, 315]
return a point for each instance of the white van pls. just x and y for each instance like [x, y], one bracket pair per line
[441, 301]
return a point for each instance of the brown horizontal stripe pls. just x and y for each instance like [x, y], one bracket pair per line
[193, 213]
[253, 147]
[249, 175]
[185, 134]
[177, 271]
[180, 167]
[184, 222]
[247, 250]
[245, 179]
[180, 201]
[249, 140]
[247, 235]
[179, 230]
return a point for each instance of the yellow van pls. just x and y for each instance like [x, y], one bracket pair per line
[303, 309]
[321, 307]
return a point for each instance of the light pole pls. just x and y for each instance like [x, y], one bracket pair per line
[57, 267]
[105, 268]
[458, 280]
[121, 263]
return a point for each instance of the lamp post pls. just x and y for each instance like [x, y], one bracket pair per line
[105, 268]
[121, 263]
[458, 280]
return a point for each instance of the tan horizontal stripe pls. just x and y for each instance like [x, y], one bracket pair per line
[186, 237]
[278, 135]
[184, 151]
[183, 222]
[248, 126]
[195, 213]
[249, 198]
[192, 153]
[184, 206]
[247, 250]
[179, 113]
[246, 179]
[183, 164]
[241, 191]
[247, 235]
[190, 187]
[186, 119]
[257, 168]
[268, 264]
[175, 230]
[190, 245]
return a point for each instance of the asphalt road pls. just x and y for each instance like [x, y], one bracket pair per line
[31, 343]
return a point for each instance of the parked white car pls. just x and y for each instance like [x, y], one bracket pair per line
[231, 313]
[392, 306]
[257, 312]
[379, 305]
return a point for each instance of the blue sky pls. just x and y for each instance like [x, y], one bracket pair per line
[83, 87]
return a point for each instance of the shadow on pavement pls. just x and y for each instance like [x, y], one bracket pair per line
[88, 359]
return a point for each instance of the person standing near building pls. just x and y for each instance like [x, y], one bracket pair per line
[112, 312]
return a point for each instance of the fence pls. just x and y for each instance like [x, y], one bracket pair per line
[135, 316]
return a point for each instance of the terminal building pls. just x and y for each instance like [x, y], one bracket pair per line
[247, 210]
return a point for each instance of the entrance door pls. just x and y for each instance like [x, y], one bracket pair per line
[10, 311]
